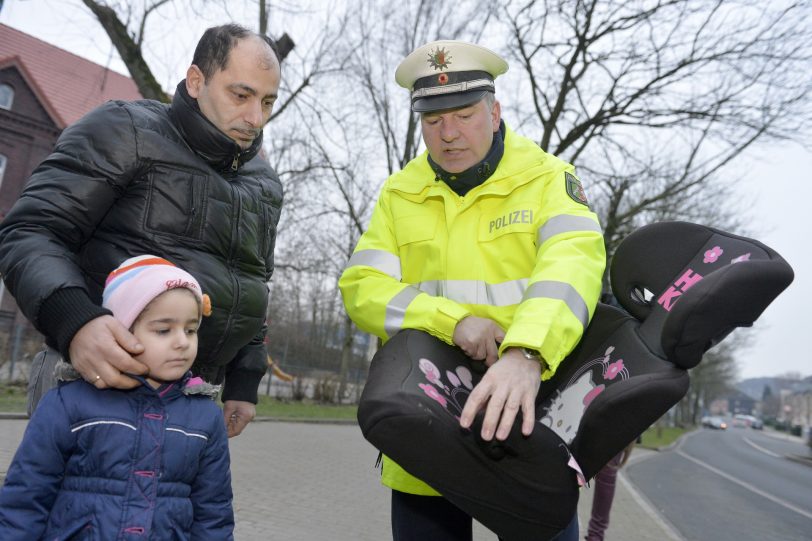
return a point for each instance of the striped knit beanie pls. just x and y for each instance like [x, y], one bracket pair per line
[138, 280]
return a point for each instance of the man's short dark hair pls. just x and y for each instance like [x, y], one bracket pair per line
[211, 53]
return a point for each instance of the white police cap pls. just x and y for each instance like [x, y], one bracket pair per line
[447, 74]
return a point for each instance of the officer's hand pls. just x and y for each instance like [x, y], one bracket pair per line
[102, 350]
[479, 338]
[508, 385]
[237, 415]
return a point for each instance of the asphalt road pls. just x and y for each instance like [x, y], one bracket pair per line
[733, 485]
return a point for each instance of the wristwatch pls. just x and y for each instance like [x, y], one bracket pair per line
[531, 354]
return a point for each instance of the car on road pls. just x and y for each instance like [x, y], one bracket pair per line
[714, 422]
[747, 421]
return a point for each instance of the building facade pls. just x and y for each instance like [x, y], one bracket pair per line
[43, 89]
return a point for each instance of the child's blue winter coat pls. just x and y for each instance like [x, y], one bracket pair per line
[111, 464]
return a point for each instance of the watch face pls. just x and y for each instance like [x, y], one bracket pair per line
[530, 354]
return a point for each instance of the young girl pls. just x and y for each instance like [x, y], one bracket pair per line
[146, 463]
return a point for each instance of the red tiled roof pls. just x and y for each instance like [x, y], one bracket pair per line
[68, 85]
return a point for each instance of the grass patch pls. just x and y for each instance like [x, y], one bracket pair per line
[12, 399]
[655, 437]
[271, 407]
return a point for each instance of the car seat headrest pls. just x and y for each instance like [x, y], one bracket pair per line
[665, 272]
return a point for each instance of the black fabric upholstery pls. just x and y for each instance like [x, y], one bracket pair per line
[519, 486]
[682, 287]
[630, 388]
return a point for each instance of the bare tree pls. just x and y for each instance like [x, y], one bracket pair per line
[333, 220]
[126, 22]
[386, 33]
[653, 99]
[367, 97]
[710, 379]
[129, 44]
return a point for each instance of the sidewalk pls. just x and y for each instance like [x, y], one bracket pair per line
[304, 481]
[802, 458]
[633, 517]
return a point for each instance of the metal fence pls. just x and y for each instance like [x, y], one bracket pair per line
[314, 384]
[19, 342]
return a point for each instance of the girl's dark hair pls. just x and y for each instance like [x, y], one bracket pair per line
[211, 53]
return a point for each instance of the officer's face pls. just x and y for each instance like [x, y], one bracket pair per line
[459, 138]
[239, 99]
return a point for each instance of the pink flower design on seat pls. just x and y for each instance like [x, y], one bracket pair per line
[713, 254]
[614, 369]
[430, 369]
[465, 377]
[433, 393]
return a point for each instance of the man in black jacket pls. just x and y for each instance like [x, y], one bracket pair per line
[182, 181]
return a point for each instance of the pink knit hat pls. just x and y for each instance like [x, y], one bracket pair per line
[133, 285]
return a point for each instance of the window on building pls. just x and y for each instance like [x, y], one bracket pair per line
[6, 96]
[3, 161]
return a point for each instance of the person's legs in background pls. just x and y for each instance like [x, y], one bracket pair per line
[604, 494]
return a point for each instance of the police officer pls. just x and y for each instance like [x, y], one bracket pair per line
[484, 241]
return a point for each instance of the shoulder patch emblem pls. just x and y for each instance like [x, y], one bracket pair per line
[574, 189]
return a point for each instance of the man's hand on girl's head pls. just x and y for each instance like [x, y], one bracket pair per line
[102, 353]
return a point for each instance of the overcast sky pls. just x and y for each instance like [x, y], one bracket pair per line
[777, 182]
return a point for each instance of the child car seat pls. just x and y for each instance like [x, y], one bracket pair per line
[682, 288]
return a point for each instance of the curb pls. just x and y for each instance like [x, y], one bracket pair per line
[782, 435]
[23, 416]
[305, 420]
[649, 508]
[805, 460]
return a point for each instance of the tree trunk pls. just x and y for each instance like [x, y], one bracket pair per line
[129, 51]
[263, 17]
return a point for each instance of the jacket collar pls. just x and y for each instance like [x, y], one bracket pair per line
[204, 138]
[188, 384]
[417, 180]
[478, 173]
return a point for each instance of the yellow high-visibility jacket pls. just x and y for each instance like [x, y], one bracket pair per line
[522, 249]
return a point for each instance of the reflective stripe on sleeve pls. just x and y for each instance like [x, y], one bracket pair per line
[396, 309]
[476, 291]
[565, 223]
[561, 291]
[378, 259]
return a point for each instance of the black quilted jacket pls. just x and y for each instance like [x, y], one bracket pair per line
[143, 177]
